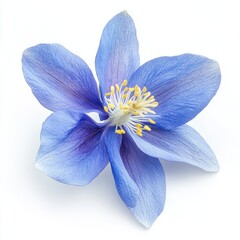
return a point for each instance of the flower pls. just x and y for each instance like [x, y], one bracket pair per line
[143, 111]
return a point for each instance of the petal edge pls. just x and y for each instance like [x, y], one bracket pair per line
[148, 174]
[117, 56]
[71, 150]
[59, 79]
[183, 144]
[182, 85]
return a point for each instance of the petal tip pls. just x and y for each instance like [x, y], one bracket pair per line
[25, 52]
[147, 225]
[125, 12]
[38, 165]
[148, 222]
[25, 55]
[211, 166]
[215, 168]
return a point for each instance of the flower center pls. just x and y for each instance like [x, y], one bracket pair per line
[130, 107]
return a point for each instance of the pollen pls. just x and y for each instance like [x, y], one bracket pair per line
[117, 88]
[105, 108]
[125, 82]
[111, 105]
[112, 90]
[151, 121]
[147, 128]
[130, 108]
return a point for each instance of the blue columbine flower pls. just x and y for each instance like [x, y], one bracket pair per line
[143, 111]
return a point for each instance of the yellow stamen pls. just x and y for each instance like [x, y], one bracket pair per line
[112, 90]
[139, 129]
[139, 133]
[144, 89]
[151, 121]
[108, 94]
[123, 131]
[105, 108]
[117, 88]
[136, 88]
[131, 89]
[147, 94]
[151, 98]
[154, 104]
[111, 105]
[147, 128]
[119, 131]
[125, 82]
[135, 113]
[130, 107]
[136, 94]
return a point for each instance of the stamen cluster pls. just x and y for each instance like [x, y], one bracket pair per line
[129, 107]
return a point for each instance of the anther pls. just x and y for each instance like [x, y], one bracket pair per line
[108, 94]
[151, 98]
[125, 82]
[135, 113]
[111, 105]
[136, 94]
[147, 94]
[123, 131]
[139, 133]
[117, 88]
[136, 88]
[105, 108]
[112, 90]
[131, 89]
[151, 121]
[147, 128]
[119, 131]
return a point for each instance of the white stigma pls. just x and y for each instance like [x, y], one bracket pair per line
[129, 108]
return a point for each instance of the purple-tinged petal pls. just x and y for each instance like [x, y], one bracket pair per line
[182, 85]
[126, 187]
[59, 79]
[71, 149]
[117, 57]
[182, 144]
[148, 174]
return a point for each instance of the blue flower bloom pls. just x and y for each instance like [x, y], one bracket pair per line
[143, 111]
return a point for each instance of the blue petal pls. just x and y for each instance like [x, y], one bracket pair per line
[71, 150]
[149, 176]
[182, 144]
[59, 79]
[126, 187]
[182, 85]
[117, 57]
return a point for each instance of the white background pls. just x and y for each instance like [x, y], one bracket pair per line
[199, 205]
